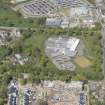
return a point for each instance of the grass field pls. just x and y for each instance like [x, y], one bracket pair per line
[82, 62]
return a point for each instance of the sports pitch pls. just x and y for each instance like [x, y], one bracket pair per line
[82, 62]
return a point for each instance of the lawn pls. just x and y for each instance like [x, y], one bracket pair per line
[83, 62]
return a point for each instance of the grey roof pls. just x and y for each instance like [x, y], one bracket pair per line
[71, 3]
[53, 22]
[38, 8]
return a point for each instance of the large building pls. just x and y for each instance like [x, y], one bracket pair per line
[72, 17]
[73, 85]
[37, 8]
[57, 22]
[53, 22]
[72, 44]
[65, 46]
[61, 50]
[78, 11]
[71, 3]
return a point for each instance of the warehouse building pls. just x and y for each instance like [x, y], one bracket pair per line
[37, 8]
[53, 22]
[71, 3]
[58, 22]
[61, 50]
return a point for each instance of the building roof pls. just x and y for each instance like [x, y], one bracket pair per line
[37, 8]
[71, 3]
[16, 1]
[88, 19]
[73, 43]
[53, 21]
[76, 84]
[60, 50]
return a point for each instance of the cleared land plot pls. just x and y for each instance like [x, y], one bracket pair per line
[83, 62]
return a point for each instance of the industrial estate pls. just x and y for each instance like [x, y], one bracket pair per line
[52, 52]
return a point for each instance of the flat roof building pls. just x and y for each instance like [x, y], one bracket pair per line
[77, 11]
[36, 8]
[60, 50]
[53, 22]
[71, 3]
[72, 43]
[57, 22]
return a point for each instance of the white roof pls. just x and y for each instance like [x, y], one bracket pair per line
[18, 56]
[14, 94]
[75, 84]
[65, 23]
[16, 1]
[73, 43]
[48, 83]
[53, 21]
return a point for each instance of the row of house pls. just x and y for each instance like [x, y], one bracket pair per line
[19, 59]
[97, 89]
[13, 93]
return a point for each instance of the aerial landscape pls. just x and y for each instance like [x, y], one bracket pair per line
[52, 52]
